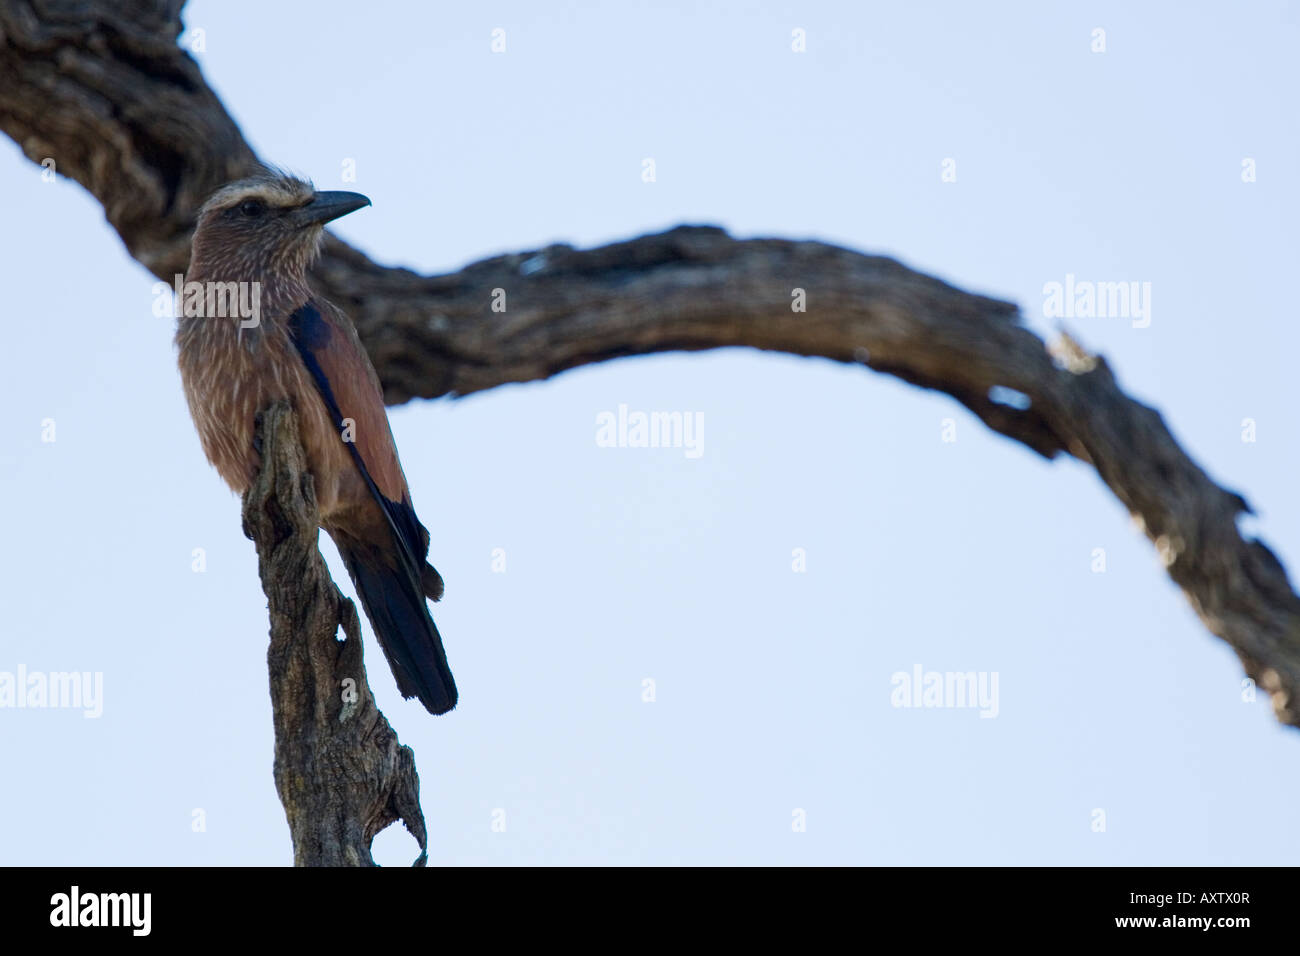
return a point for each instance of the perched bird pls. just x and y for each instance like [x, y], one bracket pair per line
[254, 240]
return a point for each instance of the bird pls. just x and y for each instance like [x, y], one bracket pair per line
[259, 235]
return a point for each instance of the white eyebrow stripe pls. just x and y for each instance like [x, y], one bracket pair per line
[289, 193]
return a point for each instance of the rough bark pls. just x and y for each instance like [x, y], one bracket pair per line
[105, 91]
[340, 771]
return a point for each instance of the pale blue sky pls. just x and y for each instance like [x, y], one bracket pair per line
[773, 688]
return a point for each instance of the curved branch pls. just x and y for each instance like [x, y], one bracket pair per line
[100, 89]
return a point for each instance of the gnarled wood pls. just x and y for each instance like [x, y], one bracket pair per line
[340, 771]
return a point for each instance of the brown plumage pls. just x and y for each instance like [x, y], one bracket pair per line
[263, 233]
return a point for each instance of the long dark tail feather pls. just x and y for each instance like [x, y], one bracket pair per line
[394, 601]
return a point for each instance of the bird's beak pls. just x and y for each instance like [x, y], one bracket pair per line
[328, 206]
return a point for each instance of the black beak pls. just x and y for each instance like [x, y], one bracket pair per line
[328, 206]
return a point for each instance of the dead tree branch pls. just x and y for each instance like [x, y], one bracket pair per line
[340, 771]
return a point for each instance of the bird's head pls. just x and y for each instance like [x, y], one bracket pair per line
[270, 224]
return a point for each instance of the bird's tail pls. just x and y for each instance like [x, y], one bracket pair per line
[394, 602]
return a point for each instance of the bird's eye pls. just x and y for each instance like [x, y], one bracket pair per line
[252, 208]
